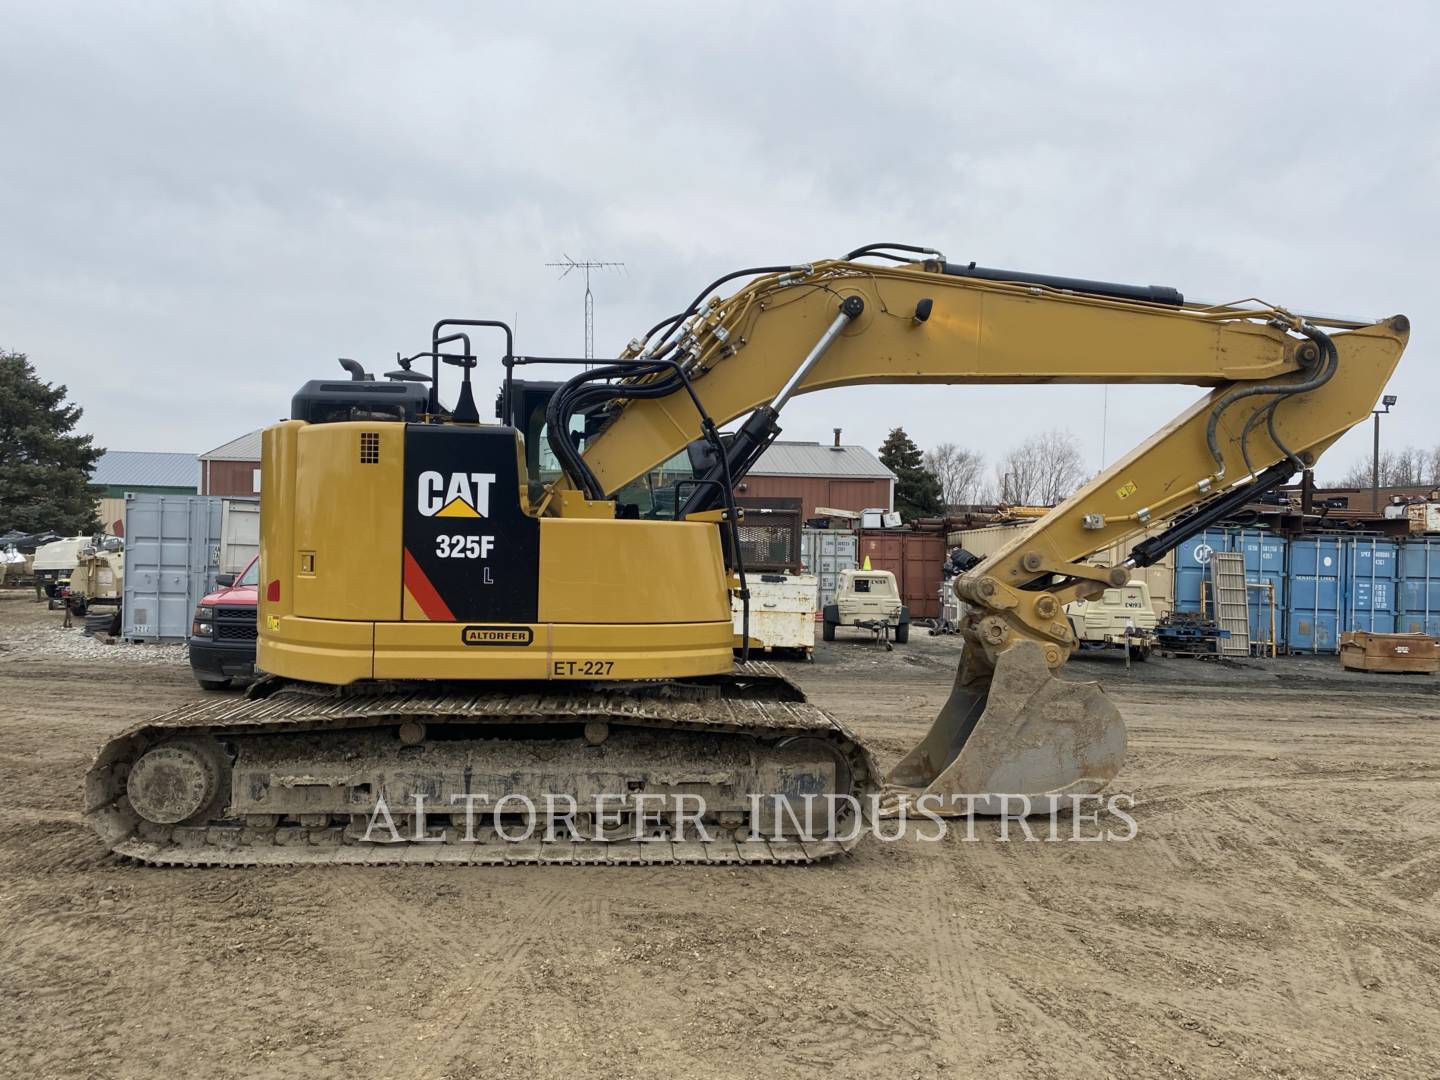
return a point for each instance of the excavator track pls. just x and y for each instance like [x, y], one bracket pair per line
[288, 775]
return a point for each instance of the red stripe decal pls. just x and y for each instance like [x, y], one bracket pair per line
[424, 593]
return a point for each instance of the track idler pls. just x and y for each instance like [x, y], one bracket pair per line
[1013, 729]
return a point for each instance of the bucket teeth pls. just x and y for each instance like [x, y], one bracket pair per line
[1016, 730]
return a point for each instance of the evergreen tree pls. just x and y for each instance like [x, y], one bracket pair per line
[917, 489]
[44, 468]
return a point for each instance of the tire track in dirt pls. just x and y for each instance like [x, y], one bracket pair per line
[1035, 990]
[1360, 934]
[959, 999]
[1317, 860]
[478, 983]
[1060, 1009]
[472, 968]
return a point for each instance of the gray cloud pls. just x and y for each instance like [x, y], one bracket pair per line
[201, 208]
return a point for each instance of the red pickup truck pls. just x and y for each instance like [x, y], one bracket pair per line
[223, 632]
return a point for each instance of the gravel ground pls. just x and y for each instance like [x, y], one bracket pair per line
[1276, 915]
[32, 632]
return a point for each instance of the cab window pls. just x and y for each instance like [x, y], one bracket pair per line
[659, 494]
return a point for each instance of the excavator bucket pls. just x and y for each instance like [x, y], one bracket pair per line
[1010, 731]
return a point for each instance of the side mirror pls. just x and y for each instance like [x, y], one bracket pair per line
[224, 581]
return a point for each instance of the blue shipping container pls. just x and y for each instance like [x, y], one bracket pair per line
[1370, 570]
[1264, 563]
[1419, 587]
[1192, 566]
[1314, 608]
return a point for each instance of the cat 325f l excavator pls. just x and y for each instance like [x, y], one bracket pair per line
[442, 622]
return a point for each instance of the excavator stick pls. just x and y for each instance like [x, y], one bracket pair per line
[1010, 731]
[1011, 727]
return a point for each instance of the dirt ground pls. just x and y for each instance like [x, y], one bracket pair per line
[1276, 915]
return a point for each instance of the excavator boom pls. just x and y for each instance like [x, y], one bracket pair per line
[1285, 386]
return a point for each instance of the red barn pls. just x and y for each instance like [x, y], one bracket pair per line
[838, 477]
[232, 469]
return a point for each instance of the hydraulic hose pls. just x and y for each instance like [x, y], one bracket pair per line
[1329, 363]
[880, 249]
[675, 320]
[575, 395]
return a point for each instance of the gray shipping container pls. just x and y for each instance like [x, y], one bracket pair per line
[239, 534]
[174, 547]
[824, 553]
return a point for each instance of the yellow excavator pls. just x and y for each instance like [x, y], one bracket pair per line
[517, 617]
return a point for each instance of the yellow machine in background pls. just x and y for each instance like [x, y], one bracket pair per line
[446, 611]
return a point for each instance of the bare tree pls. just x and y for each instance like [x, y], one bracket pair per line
[1408, 467]
[1041, 471]
[1411, 467]
[1359, 474]
[959, 470]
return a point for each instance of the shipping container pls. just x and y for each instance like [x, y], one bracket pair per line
[1265, 554]
[1267, 557]
[824, 553]
[175, 545]
[915, 558]
[1418, 594]
[1371, 566]
[1324, 585]
[1315, 602]
[1265, 564]
[239, 534]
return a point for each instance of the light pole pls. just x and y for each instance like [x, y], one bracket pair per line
[1387, 401]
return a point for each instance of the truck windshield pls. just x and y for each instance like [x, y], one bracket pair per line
[251, 576]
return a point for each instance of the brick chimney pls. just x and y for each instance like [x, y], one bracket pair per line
[837, 440]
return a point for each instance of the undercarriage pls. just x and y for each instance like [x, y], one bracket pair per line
[737, 768]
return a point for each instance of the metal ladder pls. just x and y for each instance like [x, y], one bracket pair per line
[1232, 601]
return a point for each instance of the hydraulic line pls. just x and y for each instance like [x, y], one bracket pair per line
[575, 395]
[562, 444]
[675, 320]
[1331, 358]
[1329, 363]
[880, 249]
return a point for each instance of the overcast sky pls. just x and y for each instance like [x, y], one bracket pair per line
[203, 207]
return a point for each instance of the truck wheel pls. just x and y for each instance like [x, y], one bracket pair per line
[902, 633]
[1139, 652]
[827, 630]
[213, 684]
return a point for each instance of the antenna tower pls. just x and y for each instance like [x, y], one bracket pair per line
[565, 266]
